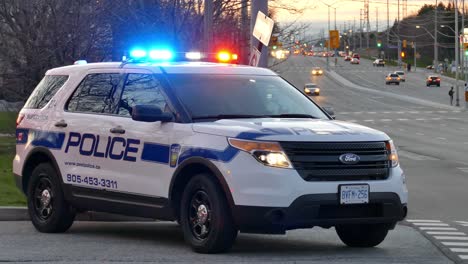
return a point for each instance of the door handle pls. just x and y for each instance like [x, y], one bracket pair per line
[117, 130]
[61, 123]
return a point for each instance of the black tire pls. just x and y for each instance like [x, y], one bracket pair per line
[53, 214]
[366, 235]
[397, 83]
[217, 231]
[438, 85]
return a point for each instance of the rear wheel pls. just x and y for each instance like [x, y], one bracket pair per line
[49, 211]
[438, 85]
[366, 235]
[205, 217]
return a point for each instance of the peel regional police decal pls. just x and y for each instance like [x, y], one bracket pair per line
[175, 151]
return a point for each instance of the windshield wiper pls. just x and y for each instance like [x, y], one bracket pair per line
[225, 116]
[294, 116]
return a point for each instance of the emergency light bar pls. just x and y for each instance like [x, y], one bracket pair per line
[166, 55]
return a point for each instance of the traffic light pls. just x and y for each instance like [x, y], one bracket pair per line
[379, 43]
[466, 52]
[403, 54]
[404, 43]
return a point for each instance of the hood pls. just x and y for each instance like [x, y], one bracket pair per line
[290, 129]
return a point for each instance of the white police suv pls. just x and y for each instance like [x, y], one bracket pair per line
[220, 148]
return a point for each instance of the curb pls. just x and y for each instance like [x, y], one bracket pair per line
[341, 80]
[13, 213]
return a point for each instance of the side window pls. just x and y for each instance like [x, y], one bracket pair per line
[45, 90]
[141, 89]
[96, 94]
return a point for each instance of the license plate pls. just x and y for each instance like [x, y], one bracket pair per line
[354, 194]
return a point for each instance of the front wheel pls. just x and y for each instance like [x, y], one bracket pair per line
[365, 235]
[48, 209]
[205, 216]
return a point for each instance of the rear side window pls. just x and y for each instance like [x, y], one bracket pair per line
[394, 75]
[96, 94]
[45, 90]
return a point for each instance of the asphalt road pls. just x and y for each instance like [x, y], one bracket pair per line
[432, 142]
[164, 243]
[432, 146]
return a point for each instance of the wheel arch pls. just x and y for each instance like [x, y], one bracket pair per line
[35, 157]
[185, 171]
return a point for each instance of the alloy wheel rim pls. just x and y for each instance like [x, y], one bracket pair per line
[200, 215]
[43, 199]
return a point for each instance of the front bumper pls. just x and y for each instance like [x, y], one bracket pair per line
[320, 210]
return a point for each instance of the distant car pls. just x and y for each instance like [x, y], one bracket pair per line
[317, 71]
[347, 58]
[311, 89]
[433, 80]
[379, 63]
[402, 75]
[356, 55]
[354, 61]
[430, 67]
[392, 78]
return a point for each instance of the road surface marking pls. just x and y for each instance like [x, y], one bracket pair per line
[459, 250]
[446, 233]
[428, 112]
[369, 120]
[463, 223]
[420, 134]
[423, 221]
[420, 119]
[403, 119]
[435, 118]
[455, 244]
[372, 112]
[351, 121]
[463, 256]
[442, 111]
[464, 170]
[387, 112]
[386, 120]
[400, 112]
[438, 228]
[414, 112]
[451, 237]
[430, 224]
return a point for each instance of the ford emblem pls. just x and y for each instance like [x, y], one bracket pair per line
[349, 158]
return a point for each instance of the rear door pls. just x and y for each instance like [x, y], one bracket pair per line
[92, 153]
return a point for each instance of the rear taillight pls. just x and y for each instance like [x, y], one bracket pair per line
[19, 119]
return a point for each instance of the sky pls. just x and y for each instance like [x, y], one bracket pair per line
[316, 12]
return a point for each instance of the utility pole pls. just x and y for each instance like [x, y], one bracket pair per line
[388, 31]
[377, 19]
[366, 20]
[414, 55]
[354, 34]
[328, 46]
[457, 53]
[398, 18]
[255, 6]
[463, 38]
[208, 25]
[245, 32]
[335, 17]
[436, 49]
[360, 29]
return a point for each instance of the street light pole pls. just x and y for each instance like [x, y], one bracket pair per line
[457, 54]
[436, 50]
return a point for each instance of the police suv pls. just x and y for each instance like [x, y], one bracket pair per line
[220, 148]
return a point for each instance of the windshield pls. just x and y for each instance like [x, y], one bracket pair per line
[240, 95]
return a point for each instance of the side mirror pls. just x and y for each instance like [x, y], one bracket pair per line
[330, 111]
[150, 113]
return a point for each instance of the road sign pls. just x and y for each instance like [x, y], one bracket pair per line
[334, 39]
[254, 57]
[263, 28]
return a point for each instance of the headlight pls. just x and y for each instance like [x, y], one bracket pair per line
[392, 153]
[267, 153]
[314, 72]
[317, 90]
[307, 90]
[320, 72]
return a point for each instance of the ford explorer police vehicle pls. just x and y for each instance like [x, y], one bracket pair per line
[220, 148]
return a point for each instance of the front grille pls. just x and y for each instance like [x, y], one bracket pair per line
[320, 161]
